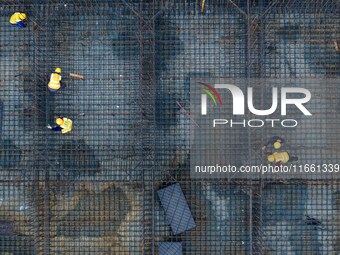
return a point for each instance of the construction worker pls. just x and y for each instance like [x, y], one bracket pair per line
[275, 141]
[281, 158]
[55, 81]
[64, 125]
[18, 19]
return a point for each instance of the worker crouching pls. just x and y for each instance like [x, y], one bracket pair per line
[55, 81]
[64, 125]
[18, 19]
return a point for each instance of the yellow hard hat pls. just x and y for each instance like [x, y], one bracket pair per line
[277, 145]
[59, 121]
[58, 70]
[271, 158]
[22, 16]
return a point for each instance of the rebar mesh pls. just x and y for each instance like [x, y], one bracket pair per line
[93, 191]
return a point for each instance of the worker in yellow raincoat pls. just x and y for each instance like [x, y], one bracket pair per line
[18, 19]
[64, 125]
[55, 81]
[281, 158]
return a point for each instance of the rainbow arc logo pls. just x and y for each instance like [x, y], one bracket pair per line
[211, 92]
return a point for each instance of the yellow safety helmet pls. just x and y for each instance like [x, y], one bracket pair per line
[277, 145]
[271, 158]
[58, 70]
[22, 16]
[59, 121]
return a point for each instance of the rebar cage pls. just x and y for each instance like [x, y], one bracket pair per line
[93, 191]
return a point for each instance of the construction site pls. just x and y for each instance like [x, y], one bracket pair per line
[127, 66]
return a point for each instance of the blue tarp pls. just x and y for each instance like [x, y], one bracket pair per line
[170, 249]
[176, 209]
